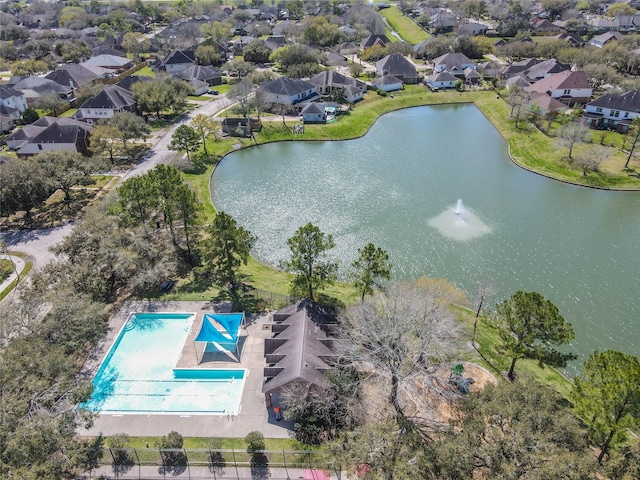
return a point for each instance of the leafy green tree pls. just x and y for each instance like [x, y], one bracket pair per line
[216, 32]
[137, 201]
[257, 52]
[189, 210]
[65, 170]
[295, 54]
[24, 186]
[608, 397]
[130, 127]
[205, 126]
[105, 138]
[135, 43]
[50, 101]
[620, 9]
[167, 180]
[515, 430]
[185, 138]
[224, 251]
[371, 267]
[530, 326]
[168, 445]
[309, 262]
[208, 55]
[75, 51]
[254, 441]
[30, 115]
[161, 94]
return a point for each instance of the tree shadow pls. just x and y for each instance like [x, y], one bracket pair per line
[259, 466]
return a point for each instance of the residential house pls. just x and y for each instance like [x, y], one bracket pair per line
[72, 75]
[313, 112]
[571, 38]
[177, 61]
[548, 105]
[238, 44]
[442, 22]
[603, 24]
[206, 74]
[613, 111]
[387, 83]
[288, 91]
[301, 349]
[518, 68]
[544, 69]
[398, 66]
[375, 40]
[442, 80]
[330, 80]
[471, 76]
[50, 134]
[568, 87]
[544, 26]
[471, 29]
[33, 87]
[111, 100]
[111, 62]
[601, 40]
[6, 121]
[130, 80]
[454, 63]
[12, 103]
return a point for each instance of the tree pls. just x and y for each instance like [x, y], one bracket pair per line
[224, 251]
[50, 101]
[589, 159]
[135, 43]
[65, 170]
[520, 430]
[485, 290]
[161, 94]
[30, 115]
[403, 334]
[571, 133]
[633, 135]
[24, 186]
[607, 398]
[370, 268]
[104, 139]
[309, 262]
[185, 138]
[241, 92]
[188, 209]
[529, 327]
[29, 66]
[208, 55]
[216, 32]
[620, 9]
[205, 126]
[130, 127]
[172, 456]
[75, 51]
[257, 52]
[518, 99]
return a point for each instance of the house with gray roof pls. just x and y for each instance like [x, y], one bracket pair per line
[545, 69]
[330, 80]
[72, 75]
[288, 91]
[206, 74]
[454, 62]
[111, 100]
[12, 102]
[613, 111]
[398, 66]
[33, 87]
[373, 40]
[301, 349]
[442, 80]
[112, 62]
[387, 83]
[177, 61]
[599, 41]
[50, 134]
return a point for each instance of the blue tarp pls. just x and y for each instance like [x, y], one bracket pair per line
[228, 337]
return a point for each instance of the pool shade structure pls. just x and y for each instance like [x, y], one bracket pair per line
[219, 332]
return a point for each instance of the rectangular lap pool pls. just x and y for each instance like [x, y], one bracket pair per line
[138, 375]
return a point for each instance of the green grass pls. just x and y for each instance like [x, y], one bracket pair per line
[198, 98]
[146, 71]
[99, 181]
[404, 26]
[227, 443]
[6, 269]
[27, 268]
[68, 113]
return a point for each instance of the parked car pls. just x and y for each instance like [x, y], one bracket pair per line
[167, 285]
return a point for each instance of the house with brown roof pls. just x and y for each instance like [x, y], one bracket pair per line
[301, 349]
[568, 87]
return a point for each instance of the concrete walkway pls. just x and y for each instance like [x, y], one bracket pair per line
[18, 264]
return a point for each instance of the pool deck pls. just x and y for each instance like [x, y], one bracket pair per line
[253, 413]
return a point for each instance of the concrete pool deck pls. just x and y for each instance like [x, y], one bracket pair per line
[253, 414]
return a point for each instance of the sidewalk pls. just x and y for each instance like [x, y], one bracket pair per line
[229, 472]
[19, 267]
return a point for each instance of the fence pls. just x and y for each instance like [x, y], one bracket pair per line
[148, 463]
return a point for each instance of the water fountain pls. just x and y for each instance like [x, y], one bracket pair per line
[459, 223]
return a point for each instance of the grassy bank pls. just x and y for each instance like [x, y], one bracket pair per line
[404, 26]
[28, 265]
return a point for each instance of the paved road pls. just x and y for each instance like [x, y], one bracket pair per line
[37, 243]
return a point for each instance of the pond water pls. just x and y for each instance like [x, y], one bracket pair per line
[399, 187]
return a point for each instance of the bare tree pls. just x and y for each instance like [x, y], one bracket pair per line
[519, 100]
[401, 335]
[484, 292]
[589, 159]
[571, 133]
[632, 139]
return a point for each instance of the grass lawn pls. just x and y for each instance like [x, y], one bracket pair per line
[27, 268]
[198, 98]
[68, 113]
[404, 26]
[145, 71]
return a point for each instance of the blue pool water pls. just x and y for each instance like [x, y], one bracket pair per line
[138, 374]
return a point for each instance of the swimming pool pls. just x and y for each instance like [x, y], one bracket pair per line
[138, 374]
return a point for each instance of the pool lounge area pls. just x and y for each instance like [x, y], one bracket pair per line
[190, 366]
